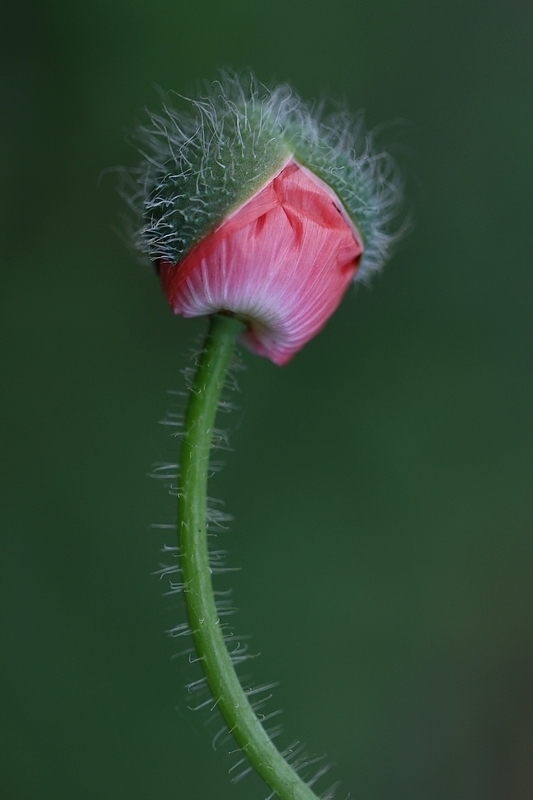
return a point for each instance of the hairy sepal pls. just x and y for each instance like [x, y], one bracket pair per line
[202, 164]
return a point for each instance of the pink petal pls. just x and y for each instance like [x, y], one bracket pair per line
[281, 262]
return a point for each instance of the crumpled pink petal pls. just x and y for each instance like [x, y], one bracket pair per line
[281, 262]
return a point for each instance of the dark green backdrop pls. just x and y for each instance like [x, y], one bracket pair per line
[381, 483]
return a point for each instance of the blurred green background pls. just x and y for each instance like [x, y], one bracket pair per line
[381, 483]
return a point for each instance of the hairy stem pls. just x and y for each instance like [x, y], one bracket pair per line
[204, 623]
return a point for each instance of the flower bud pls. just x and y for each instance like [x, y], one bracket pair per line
[251, 204]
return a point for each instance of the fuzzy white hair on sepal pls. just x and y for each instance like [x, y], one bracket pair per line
[202, 163]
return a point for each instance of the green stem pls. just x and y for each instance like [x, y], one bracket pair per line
[230, 697]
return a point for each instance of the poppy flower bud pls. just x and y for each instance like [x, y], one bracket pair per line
[251, 204]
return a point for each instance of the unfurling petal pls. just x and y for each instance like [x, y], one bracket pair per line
[281, 262]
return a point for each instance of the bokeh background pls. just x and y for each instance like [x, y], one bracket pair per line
[381, 483]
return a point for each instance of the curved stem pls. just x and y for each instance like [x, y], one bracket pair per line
[219, 671]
